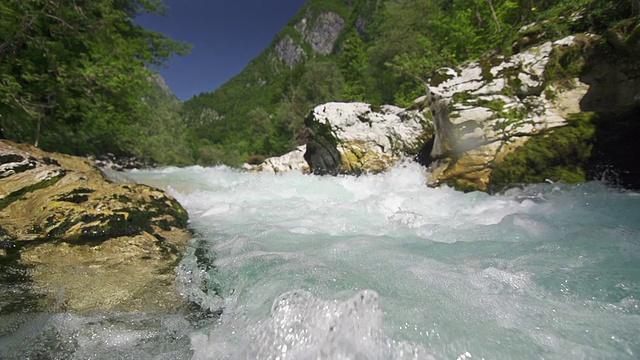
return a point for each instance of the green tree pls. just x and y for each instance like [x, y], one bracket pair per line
[321, 82]
[352, 62]
[73, 74]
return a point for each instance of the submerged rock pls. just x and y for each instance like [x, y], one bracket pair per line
[89, 244]
[356, 137]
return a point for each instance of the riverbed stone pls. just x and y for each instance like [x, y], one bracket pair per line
[291, 161]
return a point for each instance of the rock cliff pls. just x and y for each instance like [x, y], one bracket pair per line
[83, 242]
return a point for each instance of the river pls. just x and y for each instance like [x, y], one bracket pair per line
[296, 266]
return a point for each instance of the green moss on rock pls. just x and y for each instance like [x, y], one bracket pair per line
[559, 155]
[439, 77]
[566, 63]
[19, 194]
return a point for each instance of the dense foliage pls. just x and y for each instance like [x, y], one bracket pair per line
[74, 76]
[386, 51]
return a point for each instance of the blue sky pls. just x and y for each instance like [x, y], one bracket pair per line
[226, 35]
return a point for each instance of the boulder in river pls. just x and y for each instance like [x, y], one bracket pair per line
[293, 160]
[562, 110]
[352, 138]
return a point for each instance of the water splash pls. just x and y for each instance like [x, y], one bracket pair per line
[382, 267]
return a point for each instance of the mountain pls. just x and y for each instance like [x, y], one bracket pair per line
[261, 110]
[377, 51]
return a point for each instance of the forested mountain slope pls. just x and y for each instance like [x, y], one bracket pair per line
[376, 51]
[261, 110]
[75, 78]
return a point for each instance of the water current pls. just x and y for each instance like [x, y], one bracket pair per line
[295, 266]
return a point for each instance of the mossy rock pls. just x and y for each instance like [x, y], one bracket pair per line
[568, 62]
[561, 154]
[88, 244]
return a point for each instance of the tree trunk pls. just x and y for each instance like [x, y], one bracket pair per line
[478, 16]
[495, 16]
[38, 130]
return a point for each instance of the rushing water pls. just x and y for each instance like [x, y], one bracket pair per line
[382, 267]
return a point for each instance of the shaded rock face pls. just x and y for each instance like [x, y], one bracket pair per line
[88, 244]
[293, 160]
[486, 109]
[615, 152]
[289, 52]
[324, 33]
[355, 137]
[612, 85]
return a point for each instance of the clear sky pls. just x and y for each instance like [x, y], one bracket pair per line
[226, 35]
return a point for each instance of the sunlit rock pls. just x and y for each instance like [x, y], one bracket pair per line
[487, 108]
[356, 137]
[89, 244]
[293, 160]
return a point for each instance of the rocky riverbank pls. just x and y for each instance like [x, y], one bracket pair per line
[562, 110]
[73, 241]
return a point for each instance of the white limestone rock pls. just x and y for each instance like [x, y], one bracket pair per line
[492, 106]
[291, 161]
[355, 137]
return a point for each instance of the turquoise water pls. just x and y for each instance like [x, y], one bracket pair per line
[382, 267]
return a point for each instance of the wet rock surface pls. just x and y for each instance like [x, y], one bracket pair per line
[110, 161]
[81, 243]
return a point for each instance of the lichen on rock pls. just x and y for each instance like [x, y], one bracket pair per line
[494, 106]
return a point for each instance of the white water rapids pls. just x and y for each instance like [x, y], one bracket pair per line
[382, 267]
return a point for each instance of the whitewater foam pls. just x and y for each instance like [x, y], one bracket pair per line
[296, 266]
